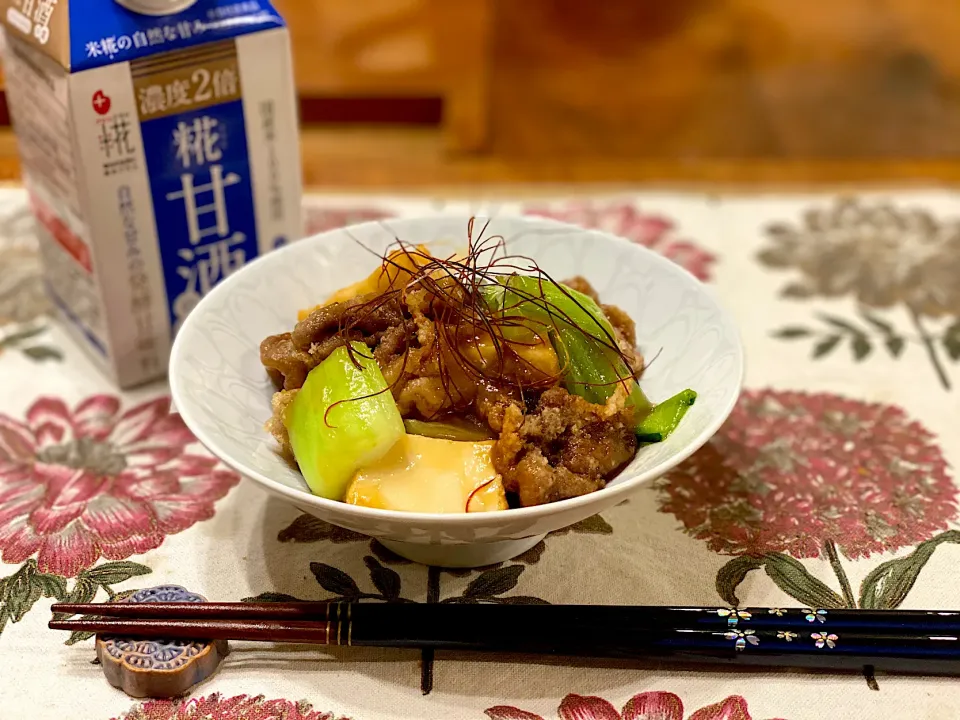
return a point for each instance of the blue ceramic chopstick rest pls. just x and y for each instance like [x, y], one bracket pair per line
[159, 668]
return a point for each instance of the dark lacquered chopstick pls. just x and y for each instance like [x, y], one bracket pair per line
[877, 621]
[189, 610]
[315, 633]
[830, 640]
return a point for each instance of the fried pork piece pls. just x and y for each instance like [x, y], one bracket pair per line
[566, 447]
[414, 373]
[286, 365]
[275, 425]
[582, 285]
[492, 404]
[288, 357]
[365, 316]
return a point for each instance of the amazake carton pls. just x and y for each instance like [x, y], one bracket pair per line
[160, 153]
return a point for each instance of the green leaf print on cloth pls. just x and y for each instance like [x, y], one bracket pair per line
[795, 475]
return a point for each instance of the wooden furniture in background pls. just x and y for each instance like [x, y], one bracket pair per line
[695, 80]
[398, 48]
[624, 91]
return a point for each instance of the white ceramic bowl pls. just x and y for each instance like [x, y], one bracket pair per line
[223, 393]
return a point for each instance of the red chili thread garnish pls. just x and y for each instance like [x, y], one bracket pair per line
[453, 300]
[470, 497]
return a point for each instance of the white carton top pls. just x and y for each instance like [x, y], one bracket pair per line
[86, 34]
[156, 7]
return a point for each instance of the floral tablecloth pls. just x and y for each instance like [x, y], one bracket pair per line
[831, 486]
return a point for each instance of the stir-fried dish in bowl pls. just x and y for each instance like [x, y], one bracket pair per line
[466, 455]
[462, 383]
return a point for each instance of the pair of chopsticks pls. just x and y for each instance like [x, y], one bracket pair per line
[919, 641]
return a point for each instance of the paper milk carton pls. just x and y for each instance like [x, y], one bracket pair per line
[160, 153]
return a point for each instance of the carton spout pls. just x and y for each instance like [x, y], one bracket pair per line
[156, 7]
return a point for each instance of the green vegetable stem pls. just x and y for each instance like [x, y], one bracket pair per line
[665, 417]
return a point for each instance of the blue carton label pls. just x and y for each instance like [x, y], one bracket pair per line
[102, 32]
[200, 181]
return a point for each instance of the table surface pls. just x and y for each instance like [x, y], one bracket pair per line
[416, 159]
[834, 472]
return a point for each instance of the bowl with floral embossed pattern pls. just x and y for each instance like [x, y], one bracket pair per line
[384, 305]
